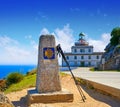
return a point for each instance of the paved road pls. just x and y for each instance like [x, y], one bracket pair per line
[107, 78]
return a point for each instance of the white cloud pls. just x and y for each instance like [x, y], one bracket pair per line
[44, 31]
[18, 55]
[99, 45]
[12, 52]
[64, 37]
[28, 37]
[5, 40]
[32, 42]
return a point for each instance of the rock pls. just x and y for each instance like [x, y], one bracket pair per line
[4, 101]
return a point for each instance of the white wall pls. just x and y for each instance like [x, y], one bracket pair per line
[77, 62]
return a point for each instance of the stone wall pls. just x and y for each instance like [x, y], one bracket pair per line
[112, 63]
[111, 58]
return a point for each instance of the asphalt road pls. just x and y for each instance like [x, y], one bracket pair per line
[108, 78]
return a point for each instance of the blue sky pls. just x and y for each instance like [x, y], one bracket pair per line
[23, 21]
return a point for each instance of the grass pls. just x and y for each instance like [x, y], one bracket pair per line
[92, 69]
[108, 70]
[62, 74]
[96, 70]
[27, 82]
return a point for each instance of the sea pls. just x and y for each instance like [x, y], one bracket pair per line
[5, 70]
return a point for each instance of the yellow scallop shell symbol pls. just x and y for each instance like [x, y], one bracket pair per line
[48, 53]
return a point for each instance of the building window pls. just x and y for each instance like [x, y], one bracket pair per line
[82, 57]
[89, 57]
[75, 57]
[82, 64]
[97, 57]
[89, 63]
[82, 50]
[67, 57]
[75, 50]
[89, 50]
[75, 63]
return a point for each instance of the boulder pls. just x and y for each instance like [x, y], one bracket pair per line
[4, 101]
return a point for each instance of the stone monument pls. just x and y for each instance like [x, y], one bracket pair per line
[47, 75]
[48, 87]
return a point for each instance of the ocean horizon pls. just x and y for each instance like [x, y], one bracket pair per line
[23, 69]
[7, 69]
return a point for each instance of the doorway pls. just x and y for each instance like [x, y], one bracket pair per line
[82, 63]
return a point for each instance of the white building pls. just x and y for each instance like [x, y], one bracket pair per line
[82, 55]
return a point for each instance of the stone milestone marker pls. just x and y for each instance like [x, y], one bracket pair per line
[48, 87]
[47, 75]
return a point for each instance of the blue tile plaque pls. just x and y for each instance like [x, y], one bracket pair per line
[49, 53]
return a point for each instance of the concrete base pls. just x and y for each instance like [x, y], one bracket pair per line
[52, 97]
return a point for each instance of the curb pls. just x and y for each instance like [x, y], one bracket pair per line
[108, 90]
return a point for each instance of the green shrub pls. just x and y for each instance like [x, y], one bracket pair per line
[92, 69]
[2, 85]
[32, 72]
[27, 82]
[14, 77]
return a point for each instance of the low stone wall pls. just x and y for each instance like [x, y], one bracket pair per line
[111, 64]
